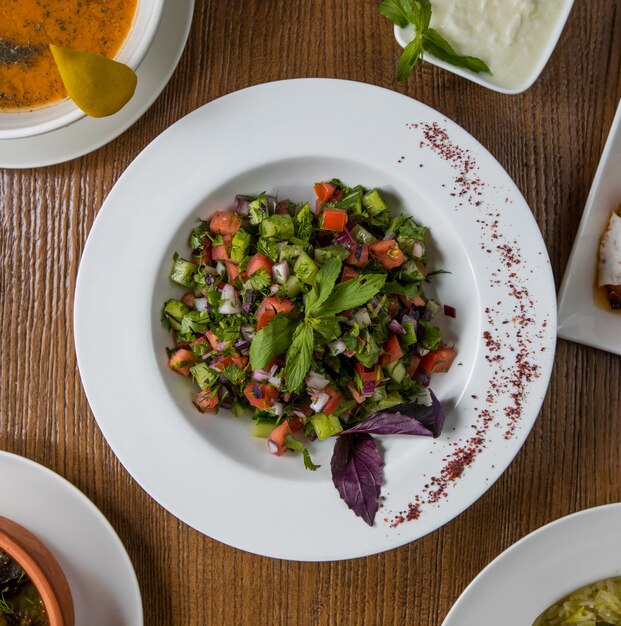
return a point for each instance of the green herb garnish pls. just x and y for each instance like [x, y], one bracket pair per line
[426, 39]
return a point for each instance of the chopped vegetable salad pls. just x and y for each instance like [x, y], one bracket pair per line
[311, 319]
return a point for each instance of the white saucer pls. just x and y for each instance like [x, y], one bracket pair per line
[88, 134]
[101, 576]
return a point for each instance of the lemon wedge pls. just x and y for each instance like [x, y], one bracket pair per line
[98, 85]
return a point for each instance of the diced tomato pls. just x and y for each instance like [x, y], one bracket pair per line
[348, 274]
[333, 219]
[415, 301]
[282, 208]
[219, 346]
[224, 223]
[392, 351]
[181, 361]
[358, 397]
[368, 375]
[232, 270]
[269, 308]
[207, 401]
[236, 359]
[279, 434]
[259, 262]
[268, 394]
[198, 341]
[393, 306]
[388, 253]
[324, 191]
[422, 269]
[412, 368]
[219, 253]
[336, 398]
[318, 205]
[358, 259]
[439, 361]
[188, 299]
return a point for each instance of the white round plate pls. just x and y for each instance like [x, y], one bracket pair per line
[88, 134]
[101, 577]
[282, 137]
[541, 569]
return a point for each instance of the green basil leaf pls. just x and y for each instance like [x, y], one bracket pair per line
[299, 356]
[271, 341]
[351, 294]
[435, 44]
[409, 58]
[324, 284]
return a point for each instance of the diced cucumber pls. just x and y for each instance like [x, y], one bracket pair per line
[241, 243]
[392, 399]
[362, 235]
[373, 202]
[182, 271]
[326, 425]
[352, 201]
[203, 376]
[411, 272]
[262, 430]
[396, 371]
[323, 254]
[279, 227]
[293, 286]
[174, 311]
[305, 269]
[290, 252]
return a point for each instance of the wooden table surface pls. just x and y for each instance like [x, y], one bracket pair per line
[549, 140]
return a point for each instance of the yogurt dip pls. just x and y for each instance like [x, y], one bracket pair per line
[511, 36]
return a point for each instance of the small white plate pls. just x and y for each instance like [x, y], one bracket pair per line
[282, 137]
[405, 35]
[541, 569]
[88, 134]
[101, 576]
[580, 318]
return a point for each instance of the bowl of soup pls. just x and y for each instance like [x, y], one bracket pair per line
[33, 99]
[33, 587]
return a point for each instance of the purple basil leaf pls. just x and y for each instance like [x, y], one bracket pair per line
[405, 419]
[357, 474]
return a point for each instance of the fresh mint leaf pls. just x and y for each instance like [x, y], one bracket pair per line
[299, 356]
[410, 56]
[351, 294]
[434, 43]
[399, 12]
[271, 341]
[328, 328]
[308, 462]
[324, 284]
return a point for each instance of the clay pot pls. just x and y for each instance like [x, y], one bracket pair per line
[42, 568]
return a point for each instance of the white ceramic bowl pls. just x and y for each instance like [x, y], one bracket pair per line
[542, 568]
[404, 35]
[28, 122]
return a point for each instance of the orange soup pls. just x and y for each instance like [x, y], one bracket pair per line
[28, 75]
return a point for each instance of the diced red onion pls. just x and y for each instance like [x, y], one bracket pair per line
[358, 251]
[280, 271]
[246, 308]
[248, 332]
[298, 413]
[319, 402]
[227, 403]
[256, 392]
[312, 435]
[220, 268]
[242, 344]
[345, 239]
[418, 249]
[274, 380]
[421, 351]
[260, 375]
[229, 305]
[362, 318]
[396, 327]
[271, 202]
[243, 205]
[423, 379]
[449, 311]
[272, 447]
[214, 364]
[287, 396]
[273, 369]
[337, 347]
[388, 236]
[316, 381]
[368, 387]
[278, 408]
[200, 304]
[223, 379]
[209, 270]
[274, 289]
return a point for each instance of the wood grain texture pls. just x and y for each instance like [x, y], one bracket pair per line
[549, 139]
